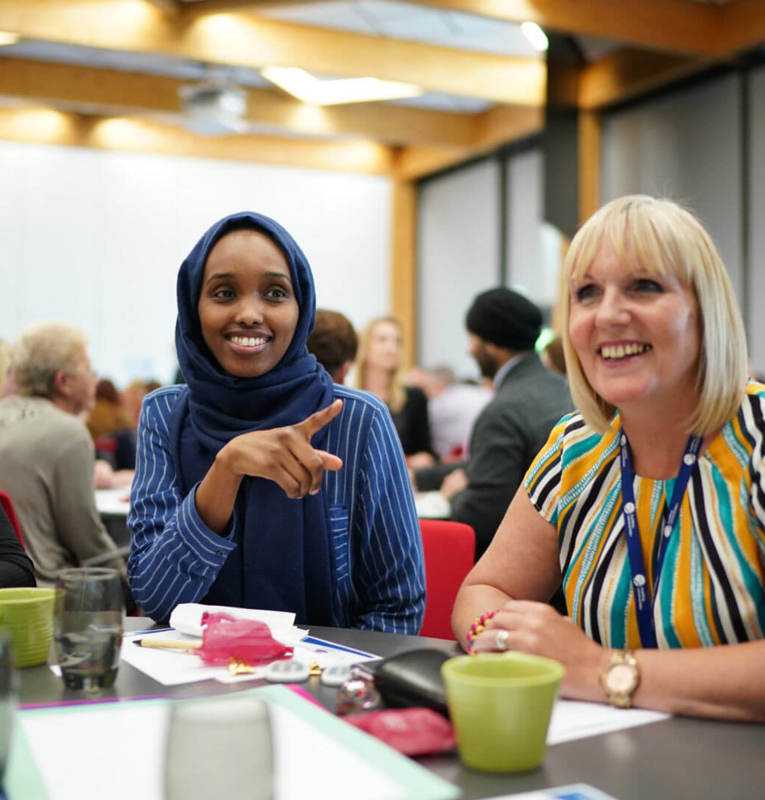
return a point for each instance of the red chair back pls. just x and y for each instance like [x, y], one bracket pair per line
[449, 553]
[7, 505]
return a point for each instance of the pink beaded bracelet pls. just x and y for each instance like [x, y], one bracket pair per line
[478, 625]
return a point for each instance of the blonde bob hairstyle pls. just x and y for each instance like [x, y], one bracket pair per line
[397, 395]
[41, 351]
[652, 236]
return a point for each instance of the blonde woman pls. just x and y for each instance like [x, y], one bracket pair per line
[379, 369]
[648, 504]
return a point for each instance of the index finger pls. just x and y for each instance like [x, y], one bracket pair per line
[310, 425]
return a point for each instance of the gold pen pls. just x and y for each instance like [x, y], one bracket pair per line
[168, 644]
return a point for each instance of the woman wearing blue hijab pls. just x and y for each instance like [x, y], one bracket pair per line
[261, 484]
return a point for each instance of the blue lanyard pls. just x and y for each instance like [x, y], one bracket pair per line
[644, 597]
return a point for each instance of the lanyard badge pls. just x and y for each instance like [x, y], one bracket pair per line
[644, 597]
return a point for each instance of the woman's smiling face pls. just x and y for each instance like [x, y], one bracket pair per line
[247, 307]
[637, 335]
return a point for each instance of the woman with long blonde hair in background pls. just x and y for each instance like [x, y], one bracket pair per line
[380, 370]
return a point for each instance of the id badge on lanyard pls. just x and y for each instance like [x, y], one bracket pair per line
[644, 595]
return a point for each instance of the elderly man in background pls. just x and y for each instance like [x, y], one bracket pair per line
[529, 399]
[46, 453]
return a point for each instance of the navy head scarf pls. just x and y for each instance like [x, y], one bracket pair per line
[282, 560]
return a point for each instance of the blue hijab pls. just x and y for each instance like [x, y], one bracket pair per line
[282, 560]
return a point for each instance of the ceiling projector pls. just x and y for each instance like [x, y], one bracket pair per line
[213, 107]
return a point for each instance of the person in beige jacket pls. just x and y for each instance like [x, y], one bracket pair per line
[46, 453]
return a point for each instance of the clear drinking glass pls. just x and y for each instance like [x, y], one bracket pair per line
[219, 747]
[8, 699]
[87, 626]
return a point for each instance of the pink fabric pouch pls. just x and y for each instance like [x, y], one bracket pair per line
[225, 637]
[411, 731]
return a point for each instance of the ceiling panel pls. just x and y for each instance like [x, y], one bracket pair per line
[472, 101]
[411, 22]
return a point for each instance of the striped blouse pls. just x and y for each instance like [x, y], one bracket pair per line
[376, 548]
[712, 586]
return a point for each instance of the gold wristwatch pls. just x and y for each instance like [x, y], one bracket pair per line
[620, 678]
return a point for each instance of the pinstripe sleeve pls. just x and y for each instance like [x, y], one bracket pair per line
[174, 556]
[389, 569]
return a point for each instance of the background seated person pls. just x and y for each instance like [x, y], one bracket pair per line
[453, 407]
[379, 369]
[334, 343]
[528, 400]
[261, 483]
[647, 503]
[112, 430]
[15, 567]
[46, 453]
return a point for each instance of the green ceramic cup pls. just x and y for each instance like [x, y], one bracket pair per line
[500, 706]
[27, 614]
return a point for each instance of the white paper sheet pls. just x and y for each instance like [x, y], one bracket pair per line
[574, 791]
[172, 668]
[572, 719]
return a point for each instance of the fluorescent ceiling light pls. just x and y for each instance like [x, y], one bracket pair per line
[536, 36]
[7, 37]
[309, 89]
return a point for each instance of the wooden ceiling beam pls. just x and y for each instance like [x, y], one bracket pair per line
[679, 26]
[246, 5]
[171, 7]
[114, 91]
[495, 128]
[45, 126]
[742, 26]
[240, 39]
[671, 25]
[628, 73]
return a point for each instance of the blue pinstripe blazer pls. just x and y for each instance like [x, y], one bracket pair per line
[376, 550]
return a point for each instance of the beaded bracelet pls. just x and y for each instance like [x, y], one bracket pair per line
[478, 625]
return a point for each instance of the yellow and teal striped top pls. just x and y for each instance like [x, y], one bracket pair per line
[712, 587]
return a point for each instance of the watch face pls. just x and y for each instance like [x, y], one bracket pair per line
[621, 678]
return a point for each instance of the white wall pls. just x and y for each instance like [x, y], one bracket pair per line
[756, 177]
[685, 145]
[459, 249]
[95, 238]
[533, 245]
[458, 257]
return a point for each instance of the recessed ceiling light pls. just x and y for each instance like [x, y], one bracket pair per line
[7, 37]
[536, 36]
[309, 89]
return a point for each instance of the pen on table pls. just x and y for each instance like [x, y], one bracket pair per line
[168, 644]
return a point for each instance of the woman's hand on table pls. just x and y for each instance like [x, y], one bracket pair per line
[285, 455]
[538, 629]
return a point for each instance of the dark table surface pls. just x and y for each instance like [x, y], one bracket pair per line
[675, 758]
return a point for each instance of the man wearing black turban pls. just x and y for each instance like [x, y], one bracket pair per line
[529, 399]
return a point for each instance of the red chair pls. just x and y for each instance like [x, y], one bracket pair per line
[7, 505]
[449, 554]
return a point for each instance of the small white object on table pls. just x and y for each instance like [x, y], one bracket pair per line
[432, 505]
[114, 502]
